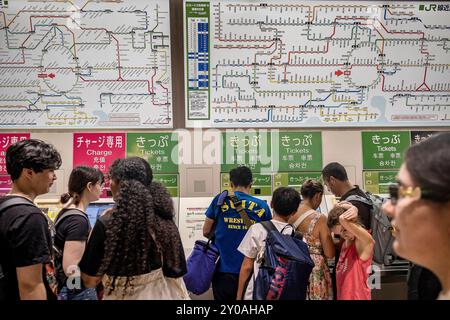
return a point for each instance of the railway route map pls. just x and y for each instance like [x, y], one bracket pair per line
[285, 63]
[85, 64]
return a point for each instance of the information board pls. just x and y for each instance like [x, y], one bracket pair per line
[85, 64]
[288, 63]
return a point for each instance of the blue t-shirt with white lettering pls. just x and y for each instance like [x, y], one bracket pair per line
[230, 229]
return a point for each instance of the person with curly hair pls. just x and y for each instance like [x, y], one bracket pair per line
[126, 248]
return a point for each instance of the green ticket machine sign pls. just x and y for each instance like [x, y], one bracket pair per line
[377, 182]
[262, 184]
[297, 151]
[252, 149]
[170, 181]
[384, 149]
[159, 149]
[294, 179]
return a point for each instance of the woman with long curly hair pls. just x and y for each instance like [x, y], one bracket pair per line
[126, 247]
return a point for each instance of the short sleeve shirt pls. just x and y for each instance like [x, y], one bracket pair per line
[25, 240]
[253, 244]
[230, 229]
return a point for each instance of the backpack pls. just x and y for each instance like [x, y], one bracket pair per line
[57, 253]
[3, 207]
[285, 267]
[380, 226]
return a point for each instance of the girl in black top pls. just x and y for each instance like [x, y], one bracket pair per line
[72, 231]
[125, 248]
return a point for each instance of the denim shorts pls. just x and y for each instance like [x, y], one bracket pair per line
[77, 294]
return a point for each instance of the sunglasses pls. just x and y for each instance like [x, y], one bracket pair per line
[397, 191]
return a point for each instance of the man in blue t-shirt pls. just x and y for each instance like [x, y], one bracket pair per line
[230, 229]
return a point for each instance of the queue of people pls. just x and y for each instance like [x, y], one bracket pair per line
[134, 250]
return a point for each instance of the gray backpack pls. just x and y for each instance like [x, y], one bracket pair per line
[381, 228]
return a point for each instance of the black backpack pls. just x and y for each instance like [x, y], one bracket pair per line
[3, 207]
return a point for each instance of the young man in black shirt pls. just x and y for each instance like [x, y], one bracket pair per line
[25, 240]
[336, 180]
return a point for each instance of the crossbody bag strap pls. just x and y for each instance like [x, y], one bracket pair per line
[238, 205]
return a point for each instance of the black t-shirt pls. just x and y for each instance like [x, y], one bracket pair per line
[363, 209]
[25, 240]
[70, 228]
[95, 251]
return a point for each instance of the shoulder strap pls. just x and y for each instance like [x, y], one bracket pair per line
[14, 202]
[360, 199]
[68, 213]
[313, 223]
[303, 217]
[269, 226]
[238, 205]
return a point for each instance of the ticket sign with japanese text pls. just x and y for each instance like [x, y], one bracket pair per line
[250, 148]
[294, 179]
[170, 181]
[262, 184]
[98, 150]
[7, 139]
[297, 151]
[384, 149]
[377, 182]
[419, 136]
[159, 149]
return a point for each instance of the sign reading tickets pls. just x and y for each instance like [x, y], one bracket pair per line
[377, 182]
[384, 149]
[262, 184]
[7, 139]
[98, 150]
[159, 149]
[294, 179]
[298, 151]
[249, 148]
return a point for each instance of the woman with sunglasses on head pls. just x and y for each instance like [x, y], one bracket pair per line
[420, 206]
[72, 231]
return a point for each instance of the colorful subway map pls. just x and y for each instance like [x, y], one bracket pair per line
[85, 64]
[317, 63]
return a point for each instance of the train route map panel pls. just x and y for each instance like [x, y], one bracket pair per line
[317, 63]
[85, 64]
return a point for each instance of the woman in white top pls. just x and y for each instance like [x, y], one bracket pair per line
[313, 226]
